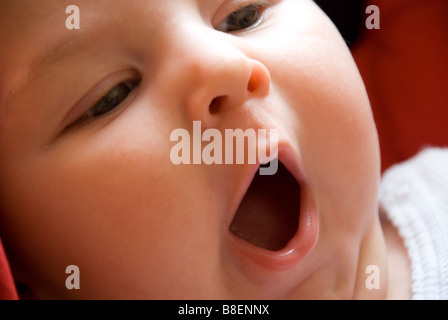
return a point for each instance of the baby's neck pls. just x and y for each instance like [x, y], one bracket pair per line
[372, 278]
[399, 265]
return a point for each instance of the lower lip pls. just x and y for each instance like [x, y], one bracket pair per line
[299, 245]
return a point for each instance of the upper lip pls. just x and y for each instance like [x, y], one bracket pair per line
[306, 234]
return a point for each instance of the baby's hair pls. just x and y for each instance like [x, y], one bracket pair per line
[347, 15]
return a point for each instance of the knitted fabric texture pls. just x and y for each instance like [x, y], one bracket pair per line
[414, 195]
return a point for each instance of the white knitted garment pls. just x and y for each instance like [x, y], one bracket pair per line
[414, 195]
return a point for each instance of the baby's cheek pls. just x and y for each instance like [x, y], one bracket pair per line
[337, 137]
[117, 209]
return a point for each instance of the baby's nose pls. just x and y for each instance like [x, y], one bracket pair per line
[219, 77]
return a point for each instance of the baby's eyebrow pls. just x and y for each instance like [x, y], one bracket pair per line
[54, 51]
[61, 48]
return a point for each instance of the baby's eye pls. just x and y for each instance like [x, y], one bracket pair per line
[108, 102]
[111, 100]
[241, 19]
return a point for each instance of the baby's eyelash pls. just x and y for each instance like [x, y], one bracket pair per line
[106, 104]
[240, 19]
[258, 3]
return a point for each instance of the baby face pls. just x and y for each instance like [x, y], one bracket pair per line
[85, 172]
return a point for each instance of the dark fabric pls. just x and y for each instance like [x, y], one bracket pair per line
[347, 15]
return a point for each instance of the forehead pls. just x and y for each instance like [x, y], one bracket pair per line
[20, 23]
[33, 34]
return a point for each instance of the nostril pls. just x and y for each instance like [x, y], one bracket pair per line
[215, 105]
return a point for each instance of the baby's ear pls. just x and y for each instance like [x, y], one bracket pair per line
[347, 15]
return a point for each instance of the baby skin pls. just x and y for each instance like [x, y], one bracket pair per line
[86, 179]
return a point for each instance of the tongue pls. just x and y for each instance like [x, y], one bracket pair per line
[269, 213]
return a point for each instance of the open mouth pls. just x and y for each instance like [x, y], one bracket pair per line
[268, 215]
